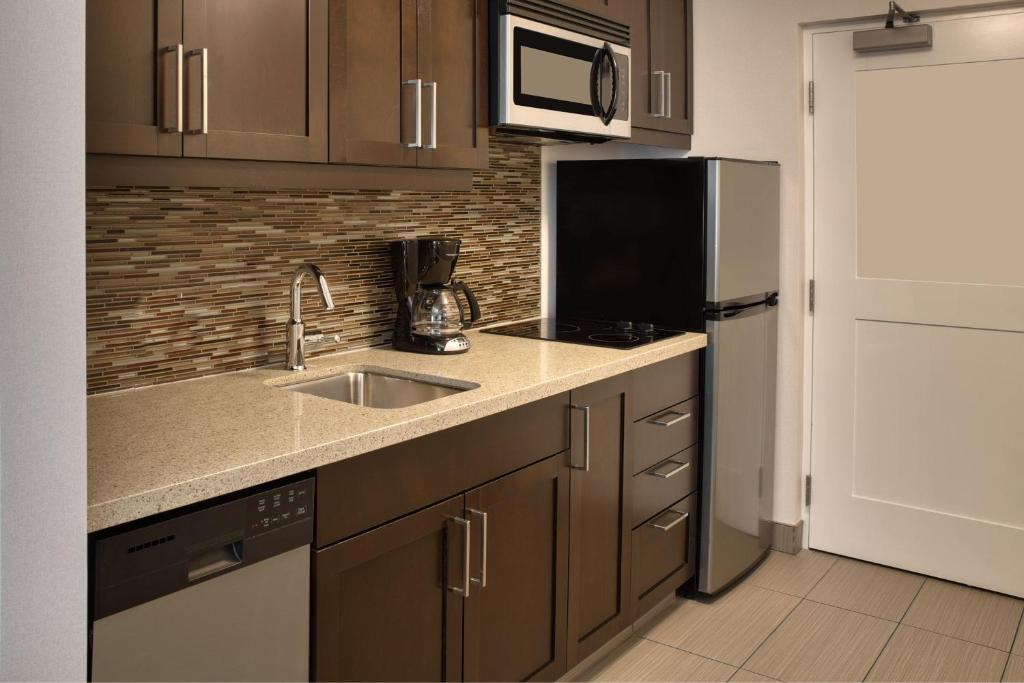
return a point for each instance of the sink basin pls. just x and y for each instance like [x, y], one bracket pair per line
[378, 390]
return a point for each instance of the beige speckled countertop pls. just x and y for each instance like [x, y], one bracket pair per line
[163, 447]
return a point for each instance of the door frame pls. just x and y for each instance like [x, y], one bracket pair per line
[807, 36]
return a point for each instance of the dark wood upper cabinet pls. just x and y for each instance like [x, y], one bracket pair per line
[382, 607]
[132, 79]
[599, 553]
[515, 616]
[398, 63]
[262, 94]
[372, 53]
[662, 49]
[452, 63]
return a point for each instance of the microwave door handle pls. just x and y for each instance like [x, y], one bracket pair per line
[614, 68]
[604, 53]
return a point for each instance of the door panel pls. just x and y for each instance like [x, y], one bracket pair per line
[452, 61]
[382, 609]
[372, 52]
[131, 93]
[669, 40]
[599, 540]
[515, 625]
[919, 312]
[267, 79]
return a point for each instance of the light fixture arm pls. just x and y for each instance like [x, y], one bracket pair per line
[895, 10]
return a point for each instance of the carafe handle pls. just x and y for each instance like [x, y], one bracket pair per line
[474, 307]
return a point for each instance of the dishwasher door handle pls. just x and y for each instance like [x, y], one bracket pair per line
[215, 560]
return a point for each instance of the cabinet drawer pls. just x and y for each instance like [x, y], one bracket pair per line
[664, 384]
[664, 548]
[665, 432]
[658, 486]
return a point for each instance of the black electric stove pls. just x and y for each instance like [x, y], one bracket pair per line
[613, 335]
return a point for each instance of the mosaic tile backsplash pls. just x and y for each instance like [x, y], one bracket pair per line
[186, 282]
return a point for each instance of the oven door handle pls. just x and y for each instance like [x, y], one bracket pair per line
[605, 53]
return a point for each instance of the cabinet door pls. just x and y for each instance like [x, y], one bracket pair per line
[599, 537]
[383, 609]
[132, 93]
[265, 80]
[661, 37]
[516, 612]
[372, 54]
[452, 61]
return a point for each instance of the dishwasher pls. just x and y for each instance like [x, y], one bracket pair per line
[218, 594]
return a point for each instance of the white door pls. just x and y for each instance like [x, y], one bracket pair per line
[917, 438]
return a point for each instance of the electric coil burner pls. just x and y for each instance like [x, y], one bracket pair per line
[615, 335]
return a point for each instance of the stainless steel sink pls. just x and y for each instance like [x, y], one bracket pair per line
[378, 390]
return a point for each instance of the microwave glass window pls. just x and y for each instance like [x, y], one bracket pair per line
[554, 76]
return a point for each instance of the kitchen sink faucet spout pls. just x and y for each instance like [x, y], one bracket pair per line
[296, 328]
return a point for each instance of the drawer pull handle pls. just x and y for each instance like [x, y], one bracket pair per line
[662, 422]
[679, 467]
[674, 523]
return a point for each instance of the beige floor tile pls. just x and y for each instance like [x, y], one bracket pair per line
[822, 643]
[1014, 670]
[916, 655]
[727, 629]
[793, 574]
[981, 617]
[744, 676]
[1018, 646]
[867, 588]
[643, 660]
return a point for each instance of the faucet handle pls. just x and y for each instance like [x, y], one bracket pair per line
[321, 338]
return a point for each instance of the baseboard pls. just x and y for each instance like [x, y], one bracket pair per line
[788, 538]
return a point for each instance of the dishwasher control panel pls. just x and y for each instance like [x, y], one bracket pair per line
[279, 507]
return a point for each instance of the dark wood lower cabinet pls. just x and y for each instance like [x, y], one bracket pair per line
[536, 557]
[516, 610]
[599, 554]
[382, 609]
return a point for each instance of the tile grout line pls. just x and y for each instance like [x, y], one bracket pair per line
[896, 628]
[1016, 634]
[770, 634]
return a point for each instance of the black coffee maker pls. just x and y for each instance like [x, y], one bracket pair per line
[430, 317]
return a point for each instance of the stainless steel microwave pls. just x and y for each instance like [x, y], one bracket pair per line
[558, 71]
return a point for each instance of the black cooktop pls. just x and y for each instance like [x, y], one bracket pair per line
[614, 335]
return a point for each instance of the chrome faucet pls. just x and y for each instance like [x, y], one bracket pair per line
[296, 328]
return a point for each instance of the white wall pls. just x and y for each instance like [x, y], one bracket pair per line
[749, 103]
[42, 341]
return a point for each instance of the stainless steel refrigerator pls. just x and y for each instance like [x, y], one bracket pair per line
[691, 244]
[741, 310]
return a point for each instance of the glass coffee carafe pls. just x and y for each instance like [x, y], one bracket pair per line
[437, 311]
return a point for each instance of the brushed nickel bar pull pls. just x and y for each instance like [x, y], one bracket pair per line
[417, 140]
[483, 546]
[668, 475]
[662, 422]
[586, 439]
[467, 529]
[179, 124]
[433, 115]
[659, 78]
[674, 523]
[667, 94]
[204, 93]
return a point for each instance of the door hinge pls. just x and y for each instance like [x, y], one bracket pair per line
[810, 97]
[807, 490]
[810, 295]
